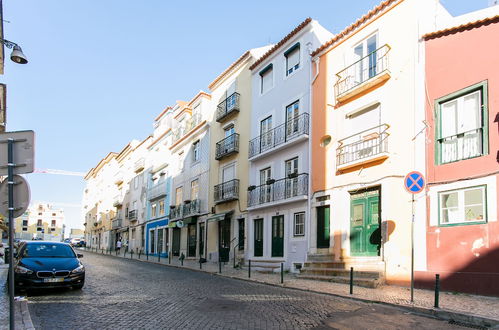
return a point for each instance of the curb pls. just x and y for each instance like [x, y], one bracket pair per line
[22, 307]
[439, 313]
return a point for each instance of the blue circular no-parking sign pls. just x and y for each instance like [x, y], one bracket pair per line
[414, 182]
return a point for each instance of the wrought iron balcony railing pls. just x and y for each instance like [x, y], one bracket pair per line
[228, 106]
[461, 146]
[186, 127]
[227, 191]
[156, 191]
[227, 146]
[283, 133]
[364, 69]
[132, 215]
[277, 190]
[362, 145]
[117, 223]
[186, 209]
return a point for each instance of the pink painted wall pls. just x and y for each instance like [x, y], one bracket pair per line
[453, 62]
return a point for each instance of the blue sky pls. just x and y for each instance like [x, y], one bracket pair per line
[100, 71]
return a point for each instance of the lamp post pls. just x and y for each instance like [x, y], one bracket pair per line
[18, 57]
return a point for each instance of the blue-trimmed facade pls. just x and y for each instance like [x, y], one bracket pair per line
[158, 211]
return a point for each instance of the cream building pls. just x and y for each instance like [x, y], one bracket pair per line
[41, 220]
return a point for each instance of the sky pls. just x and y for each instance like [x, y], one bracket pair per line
[99, 72]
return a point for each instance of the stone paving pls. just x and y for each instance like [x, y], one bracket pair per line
[128, 294]
[487, 307]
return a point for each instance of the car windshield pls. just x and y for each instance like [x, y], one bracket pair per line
[48, 250]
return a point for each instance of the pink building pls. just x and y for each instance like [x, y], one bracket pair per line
[462, 113]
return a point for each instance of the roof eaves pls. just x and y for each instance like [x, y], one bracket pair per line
[229, 69]
[462, 27]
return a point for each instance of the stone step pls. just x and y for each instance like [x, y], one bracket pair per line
[320, 257]
[341, 272]
[363, 282]
[370, 266]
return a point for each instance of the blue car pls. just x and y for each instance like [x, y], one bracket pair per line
[40, 264]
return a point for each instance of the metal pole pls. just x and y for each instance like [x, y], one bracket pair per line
[234, 257]
[437, 289]
[351, 280]
[200, 264]
[169, 257]
[219, 266]
[249, 268]
[159, 256]
[10, 182]
[412, 251]
[282, 272]
[147, 255]
[131, 254]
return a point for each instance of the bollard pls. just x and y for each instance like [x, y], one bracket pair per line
[169, 258]
[249, 268]
[351, 280]
[147, 255]
[101, 251]
[282, 272]
[131, 254]
[159, 256]
[437, 289]
[200, 264]
[234, 257]
[219, 266]
[182, 262]
[140, 252]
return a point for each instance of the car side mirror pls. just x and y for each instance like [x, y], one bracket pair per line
[79, 255]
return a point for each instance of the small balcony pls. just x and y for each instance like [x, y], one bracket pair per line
[364, 147]
[227, 191]
[118, 178]
[156, 191]
[187, 209]
[227, 146]
[139, 165]
[293, 130]
[368, 72]
[292, 188]
[132, 215]
[186, 127]
[116, 223]
[118, 200]
[227, 107]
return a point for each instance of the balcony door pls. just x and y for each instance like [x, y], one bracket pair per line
[266, 134]
[365, 57]
[292, 113]
[291, 168]
[265, 189]
[230, 97]
[229, 141]
[228, 174]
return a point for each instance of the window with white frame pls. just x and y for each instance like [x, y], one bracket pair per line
[195, 151]
[463, 206]
[161, 205]
[266, 79]
[154, 210]
[136, 182]
[292, 59]
[461, 125]
[299, 224]
[194, 189]
[178, 196]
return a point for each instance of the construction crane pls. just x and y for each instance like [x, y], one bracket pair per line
[59, 172]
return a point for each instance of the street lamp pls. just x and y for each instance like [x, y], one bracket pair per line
[17, 53]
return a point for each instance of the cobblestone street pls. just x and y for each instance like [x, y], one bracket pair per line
[128, 294]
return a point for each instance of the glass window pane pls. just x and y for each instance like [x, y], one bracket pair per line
[358, 215]
[474, 213]
[469, 113]
[293, 58]
[448, 119]
[449, 200]
[474, 196]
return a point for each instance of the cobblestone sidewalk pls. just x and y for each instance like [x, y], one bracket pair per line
[457, 303]
[4, 305]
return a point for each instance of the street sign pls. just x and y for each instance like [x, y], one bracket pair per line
[21, 196]
[414, 182]
[24, 151]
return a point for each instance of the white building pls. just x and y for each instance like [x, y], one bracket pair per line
[278, 150]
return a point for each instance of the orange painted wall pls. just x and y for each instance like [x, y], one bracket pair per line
[454, 62]
[320, 110]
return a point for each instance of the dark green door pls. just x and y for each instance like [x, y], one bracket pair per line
[278, 236]
[191, 240]
[240, 238]
[365, 234]
[176, 242]
[201, 239]
[224, 239]
[258, 237]
[323, 227]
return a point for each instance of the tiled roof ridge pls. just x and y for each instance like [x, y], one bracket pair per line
[462, 27]
[282, 42]
[354, 25]
[232, 66]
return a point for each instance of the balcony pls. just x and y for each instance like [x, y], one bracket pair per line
[116, 223]
[228, 106]
[364, 147]
[366, 73]
[227, 146]
[139, 165]
[132, 215]
[186, 127]
[461, 146]
[156, 191]
[290, 189]
[189, 208]
[293, 130]
[118, 200]
[118, 178]
[227, 191]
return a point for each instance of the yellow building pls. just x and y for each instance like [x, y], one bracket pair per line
[41, 220]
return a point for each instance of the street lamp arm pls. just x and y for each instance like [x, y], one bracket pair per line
[8, 44]
[17, 53]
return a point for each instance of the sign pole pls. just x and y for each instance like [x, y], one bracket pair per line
[10, 182]
[412, 251]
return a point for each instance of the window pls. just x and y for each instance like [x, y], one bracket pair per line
[462, 206]
[462, 131]
[161, 208]
[292, 113]
[134, 206]
[195, 150]
[266, 79]
[292, 59]
[365, 59]
[25, 223]
[291, 168]
[39, 223]
[299, 224]
[265, 189]
[266, 133]
[178, 196]
[194, 189]
[25, 228]
[53, 223]
[154, 210]
[135, 182]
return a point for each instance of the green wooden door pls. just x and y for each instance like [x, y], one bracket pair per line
[176, 242]
[258, 237]
[278, 236]
[323, 227]
[365, 238]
